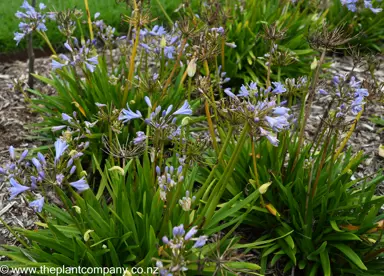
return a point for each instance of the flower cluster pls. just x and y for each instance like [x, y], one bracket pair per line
[160, 42]
[74, 129]
[186, 202]
[31, 20]
[348, 95]
[104, 31]
[179, 246]
[162, 121]
[37, 172]
[79, 55]
[169, 179]
[352, 5]
[258, 107]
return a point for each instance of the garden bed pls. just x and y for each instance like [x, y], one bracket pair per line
[16, 117]
[165, 146]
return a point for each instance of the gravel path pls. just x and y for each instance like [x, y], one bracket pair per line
[15, 117]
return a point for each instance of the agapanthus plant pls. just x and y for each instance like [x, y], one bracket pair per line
[180, 247]
[348, 96]
[37, 175]
[32, 20]
[353, 5]
[260, 109]
[158, 41]
[79, 55]
[168, 179]
[161, 121]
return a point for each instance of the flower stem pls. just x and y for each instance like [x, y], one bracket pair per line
[177, 63]
[46, 39]
[308, 106]
[342, 145]
[89, 19]
[165, 12]
[133, 55]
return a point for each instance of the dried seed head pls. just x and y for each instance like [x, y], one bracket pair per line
[138, 18]
[283, 58]
[273, 32]
[328, 38]
[66, 21]
[124, 151]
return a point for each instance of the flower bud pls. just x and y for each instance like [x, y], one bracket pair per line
[77, 209]
[163, 42]
[263, 188]
[185, 121]
[191, 69]
[86, 235]
[117, 168]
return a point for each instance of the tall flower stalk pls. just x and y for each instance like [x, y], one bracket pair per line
[133, 54]
[308, 106]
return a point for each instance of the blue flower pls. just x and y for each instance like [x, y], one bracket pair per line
[323, 92]
[34, 21]
[231, 45]
[66, 117]
[178, 231]
[243, 91]
[168, 51]
[91, 62]
[141, 137]
[184, 110]
[357, 105]
[80, 185]
[279, 88]
[16, 188]
[37, 204]
[66, 45]
[273, 140]
[41, 158]
[56, 65]
[277, 123]
[90, 66]
[158, 31]
[57, 128]
[41, 27]
[99, 105]
[148, 101]
[280, 111]
[368, 5]
[200, 242]
[37, 164]
[23, 155]
[165, 240]
[191, 233]
[127, 114]
[27, 6]
[73, 169]
[361, 92]
[59, 178]
[60, 147]
[12, 152]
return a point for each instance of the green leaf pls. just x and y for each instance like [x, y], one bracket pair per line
[243, 265]
[351, 255]
[335, 227]
[312, 256]
[325, 263]
[345, 236]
